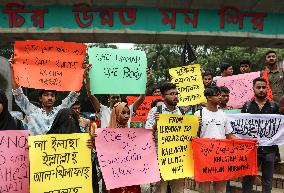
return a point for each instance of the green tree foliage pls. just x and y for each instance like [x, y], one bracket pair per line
[162, 57]
[210, 58]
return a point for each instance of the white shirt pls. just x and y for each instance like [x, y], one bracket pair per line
[104, 115]
[151, 121]
[214, 124]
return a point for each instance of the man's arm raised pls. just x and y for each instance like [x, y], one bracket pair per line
[21, 99]
[141, 97]
[94, 100]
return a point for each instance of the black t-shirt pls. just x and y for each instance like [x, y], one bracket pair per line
[253, 108]
[268, 108]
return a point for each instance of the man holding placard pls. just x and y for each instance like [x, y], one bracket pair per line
[170, 98]
[40, 119]
[214, 124]
[104, 111]
[266, 154]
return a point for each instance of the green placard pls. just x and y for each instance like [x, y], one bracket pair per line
[117, 71]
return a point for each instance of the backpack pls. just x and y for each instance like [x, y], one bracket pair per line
[159, 110]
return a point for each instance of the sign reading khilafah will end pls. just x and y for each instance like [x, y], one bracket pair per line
[117, 71]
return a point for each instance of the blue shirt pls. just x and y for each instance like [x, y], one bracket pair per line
[39, 121]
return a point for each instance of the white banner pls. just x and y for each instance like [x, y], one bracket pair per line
[267, 128]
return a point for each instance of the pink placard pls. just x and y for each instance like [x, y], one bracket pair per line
[240, 88]
[14, 161]
[127, 157]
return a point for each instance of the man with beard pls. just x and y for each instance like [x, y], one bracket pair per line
[274, 76]
[265, 154]
[170, 98]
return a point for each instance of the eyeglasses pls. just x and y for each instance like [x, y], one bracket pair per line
[173, 94]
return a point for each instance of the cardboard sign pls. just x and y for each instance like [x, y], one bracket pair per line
[240, 87]
[175, 133]
[50, 65]
[189, 84]
[60, 163]
[132, 159]
[14, 161]
[117, 71]
[143, 110]
[223, 159]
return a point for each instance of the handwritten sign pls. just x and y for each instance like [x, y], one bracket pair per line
[175, 133]
[132, 159]
[240, 87]
[14, 161]
[189, 83]
[60, 163]
[51, 65]
[143, 110]
[268, 129]
[117, 71]
[223, 159]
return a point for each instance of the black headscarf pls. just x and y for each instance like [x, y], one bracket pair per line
[65, 122]
[7, 122]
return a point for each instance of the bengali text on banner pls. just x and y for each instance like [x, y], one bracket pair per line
[59, 158]
[50, 65]
[117, 71]
[189, 84]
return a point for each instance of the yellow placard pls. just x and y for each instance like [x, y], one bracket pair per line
[60, 163]
[188, 80]
[175, 133]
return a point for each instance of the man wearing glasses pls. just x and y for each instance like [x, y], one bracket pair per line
[170, 98]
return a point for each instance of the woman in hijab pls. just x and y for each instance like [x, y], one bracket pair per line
[7, 122]
[65, 122]
[119, 117]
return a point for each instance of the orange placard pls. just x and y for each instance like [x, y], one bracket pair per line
[223, 159]
[50, 65]
[143, 110]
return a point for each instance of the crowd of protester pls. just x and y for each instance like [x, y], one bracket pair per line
[45, 118]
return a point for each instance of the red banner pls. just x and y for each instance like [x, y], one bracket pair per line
[143, 110]
[223, 159]
[50, 65]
